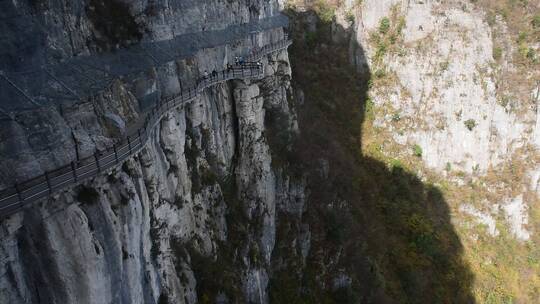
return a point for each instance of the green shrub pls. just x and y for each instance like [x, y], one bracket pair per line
[531, 54]
[523, 49]
[491, 19]
[395, 164]
[417, 151]
[384, 25]
[369, 109]
[470, 124]
[401, 25]
[448, 167]
[380, 73]
[444, 65]
[380, 51]
[497, 53]
[536, 21]
[522, 37]
[349, 16]
[325, 11]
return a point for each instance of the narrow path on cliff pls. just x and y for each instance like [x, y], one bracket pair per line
[15, 198]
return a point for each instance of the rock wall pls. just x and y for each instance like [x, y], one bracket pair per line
[127, 237]
[445, 81]
[227, 204]
[75, 87]
[453, 99]
[192, 217]
[445, 84]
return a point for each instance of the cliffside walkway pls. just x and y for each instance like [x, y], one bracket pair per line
[20, 195]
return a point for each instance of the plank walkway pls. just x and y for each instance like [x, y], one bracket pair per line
[40, 187]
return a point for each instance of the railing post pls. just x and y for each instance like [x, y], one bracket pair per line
[129, 144]
[115, 153]
[140, 137]
[19, 194]
[48, 182]
[74, 170]
[96, 156]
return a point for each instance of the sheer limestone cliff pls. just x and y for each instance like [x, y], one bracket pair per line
[388, 156]
[197, 207]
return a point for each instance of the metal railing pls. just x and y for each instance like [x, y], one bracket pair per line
[21, 194]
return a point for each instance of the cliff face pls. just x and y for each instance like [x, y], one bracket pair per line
[454, 99]
[387, 162]
[448, 98]
[196, 209]
[451, 67]
[83, 72]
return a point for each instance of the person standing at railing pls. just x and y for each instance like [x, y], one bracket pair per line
[236, 60]
[214, 74]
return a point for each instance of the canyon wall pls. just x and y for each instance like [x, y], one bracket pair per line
[196, 208]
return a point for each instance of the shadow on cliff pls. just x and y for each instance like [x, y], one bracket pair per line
[378, 234]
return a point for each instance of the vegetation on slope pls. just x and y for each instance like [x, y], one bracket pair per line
[506, 269]
[386, 230]
[516, 35]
